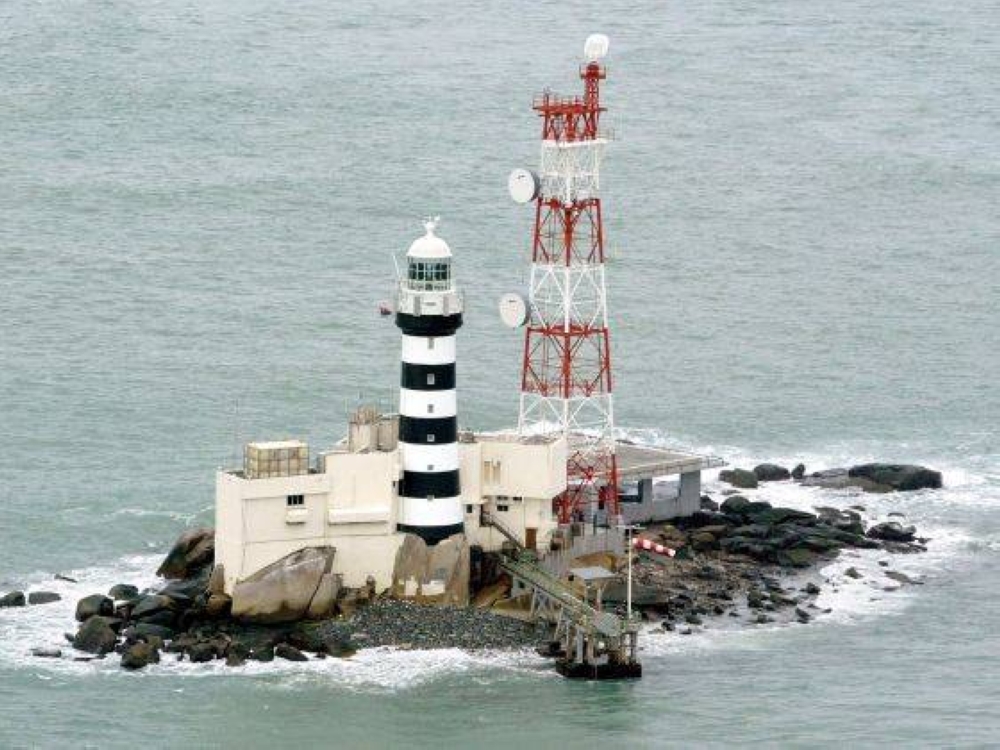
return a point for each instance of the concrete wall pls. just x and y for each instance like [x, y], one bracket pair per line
[353, 507]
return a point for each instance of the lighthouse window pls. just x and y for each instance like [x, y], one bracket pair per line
[427, 275]
[430, 342]
[293, 501]
[431, 438]
[430, 408]
[431, 378]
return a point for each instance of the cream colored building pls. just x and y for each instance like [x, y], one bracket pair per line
[347, 498]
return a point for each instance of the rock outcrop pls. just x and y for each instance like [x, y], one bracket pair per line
[877, 478]
[287, 590]
[13, 599]
[438, 574]
[193, 551]
[771, 473]
[741, 478]
[43, 597]
[95, 604]
[898, 477]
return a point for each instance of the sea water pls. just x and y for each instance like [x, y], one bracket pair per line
[198, 207]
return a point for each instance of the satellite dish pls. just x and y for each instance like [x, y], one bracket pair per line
[523, 185]
[513, 309]
[596, 47]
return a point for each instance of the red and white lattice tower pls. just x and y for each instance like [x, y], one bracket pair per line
[566, 378]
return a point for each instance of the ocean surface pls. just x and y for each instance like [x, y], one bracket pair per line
[198, 207]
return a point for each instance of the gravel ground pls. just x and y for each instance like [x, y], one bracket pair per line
[404, 624]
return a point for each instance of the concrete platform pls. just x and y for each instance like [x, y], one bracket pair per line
[637, 462]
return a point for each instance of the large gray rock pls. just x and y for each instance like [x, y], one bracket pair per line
[739, 478]
[139, 655]
[123, 592]
[892, 531]
[13, 599]
[43, 597]
[95, 604]
[193, 551]
[876, 478]
[95, 636]
[900, 477]
[436, 575]
[285, 590]
[771, 472]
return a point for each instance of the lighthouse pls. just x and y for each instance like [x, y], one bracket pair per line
[428, 313]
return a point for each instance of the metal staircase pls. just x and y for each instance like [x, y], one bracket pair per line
[592, 644]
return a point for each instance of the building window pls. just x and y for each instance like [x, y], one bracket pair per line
[295, 501]
[431, 378]
[468, 509]
[503, 508]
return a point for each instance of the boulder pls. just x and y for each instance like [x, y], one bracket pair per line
[43, 597]
[139, 655]
[290, 653]
[892, 531]
[13, 599]
[284, 590]
[799, 471]
[95, 604]
[144, 630]
[734, 506]
[151, 604]
[193, 551]
[771, 473]
[780, 516]
[188, 589]
[899, 477]
[123, 592]
[435, 575]
[95, 636]
[218, 605]
[325, 598]
[201, 652]
[739, 478]
[796, 557]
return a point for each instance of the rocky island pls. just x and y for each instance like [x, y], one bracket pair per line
[735, 560]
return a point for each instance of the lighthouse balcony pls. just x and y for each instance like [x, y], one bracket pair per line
[447, 301]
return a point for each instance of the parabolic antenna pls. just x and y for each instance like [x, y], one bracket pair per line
[523, 185]
[513, 309]
[596, 47]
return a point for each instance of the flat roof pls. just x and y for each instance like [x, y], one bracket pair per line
[647, 462]
[592, 573]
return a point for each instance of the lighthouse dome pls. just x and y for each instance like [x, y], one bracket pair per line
[429, 246]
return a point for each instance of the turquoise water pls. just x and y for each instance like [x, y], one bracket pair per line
[198, 203]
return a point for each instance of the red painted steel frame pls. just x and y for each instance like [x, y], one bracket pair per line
[575, 360]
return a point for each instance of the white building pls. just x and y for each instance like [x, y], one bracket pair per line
[415, 472]
[394, 474]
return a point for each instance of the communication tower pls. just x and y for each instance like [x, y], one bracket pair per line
[566, 380]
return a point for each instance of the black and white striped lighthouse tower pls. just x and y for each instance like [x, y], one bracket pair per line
[428, 312]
